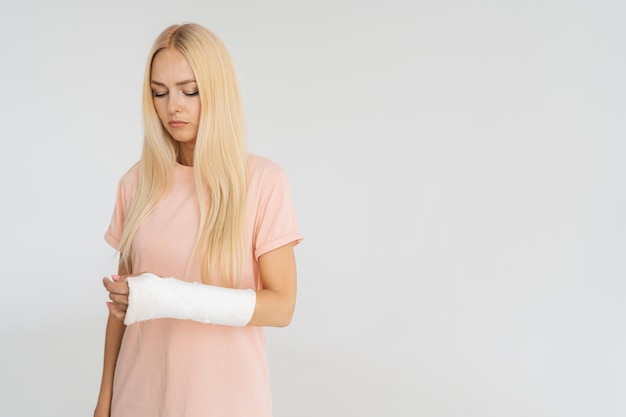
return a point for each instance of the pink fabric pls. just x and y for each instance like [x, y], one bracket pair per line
[180, 368]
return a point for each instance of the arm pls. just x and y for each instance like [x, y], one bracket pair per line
[156, 297]
[113, 340]
[276, 302]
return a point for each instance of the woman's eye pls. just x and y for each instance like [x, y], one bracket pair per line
[191, 94]
[159, 94]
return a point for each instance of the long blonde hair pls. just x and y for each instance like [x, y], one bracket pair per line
[219, 155]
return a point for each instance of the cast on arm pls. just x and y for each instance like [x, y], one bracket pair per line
[151, 297]
[147, 296]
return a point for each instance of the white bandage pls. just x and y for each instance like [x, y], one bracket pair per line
[152, 297]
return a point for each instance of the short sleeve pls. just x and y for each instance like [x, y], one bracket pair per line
[125, 190]
[276, 223]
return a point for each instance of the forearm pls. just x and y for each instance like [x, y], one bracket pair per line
[113, 340]
[151, 297]
[112, 343]
[273, 309]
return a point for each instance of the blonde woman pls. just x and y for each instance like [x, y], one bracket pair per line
[205, 233]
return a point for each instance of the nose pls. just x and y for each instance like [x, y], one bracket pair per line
[173, 103]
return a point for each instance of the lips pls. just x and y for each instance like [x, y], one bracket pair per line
[177, 124]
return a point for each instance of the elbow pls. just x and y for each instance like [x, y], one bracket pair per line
[284, 321]
[273, 309]
[285, 317]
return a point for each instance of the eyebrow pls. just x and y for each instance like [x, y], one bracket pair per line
[178, 83]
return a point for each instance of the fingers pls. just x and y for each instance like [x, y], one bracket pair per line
[118, 294]
[115, 287]
[115, 311]
[120, 301]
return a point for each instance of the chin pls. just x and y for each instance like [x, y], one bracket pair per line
[183, 138]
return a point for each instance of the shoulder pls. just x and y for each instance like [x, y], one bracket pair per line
[132, 174]
[129, 181]
[262, 169]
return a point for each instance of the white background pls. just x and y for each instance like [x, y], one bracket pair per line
[457, 169]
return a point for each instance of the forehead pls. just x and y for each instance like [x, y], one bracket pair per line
[170, 66]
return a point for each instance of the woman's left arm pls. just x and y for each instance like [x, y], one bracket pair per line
[275, 303]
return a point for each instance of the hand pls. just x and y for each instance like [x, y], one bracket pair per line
[118, 294]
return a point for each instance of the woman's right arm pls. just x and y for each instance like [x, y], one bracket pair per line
[112, 342]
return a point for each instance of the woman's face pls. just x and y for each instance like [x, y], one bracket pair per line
[175, 95]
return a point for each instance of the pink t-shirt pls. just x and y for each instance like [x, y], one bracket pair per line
[181, 368]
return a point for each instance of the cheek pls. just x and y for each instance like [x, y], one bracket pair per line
[160, 109]
[197, 112]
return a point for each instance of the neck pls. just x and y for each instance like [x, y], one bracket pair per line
[185, 154]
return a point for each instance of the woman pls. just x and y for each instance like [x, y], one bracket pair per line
[205, 233]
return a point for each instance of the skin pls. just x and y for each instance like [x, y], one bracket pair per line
[175, 99]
